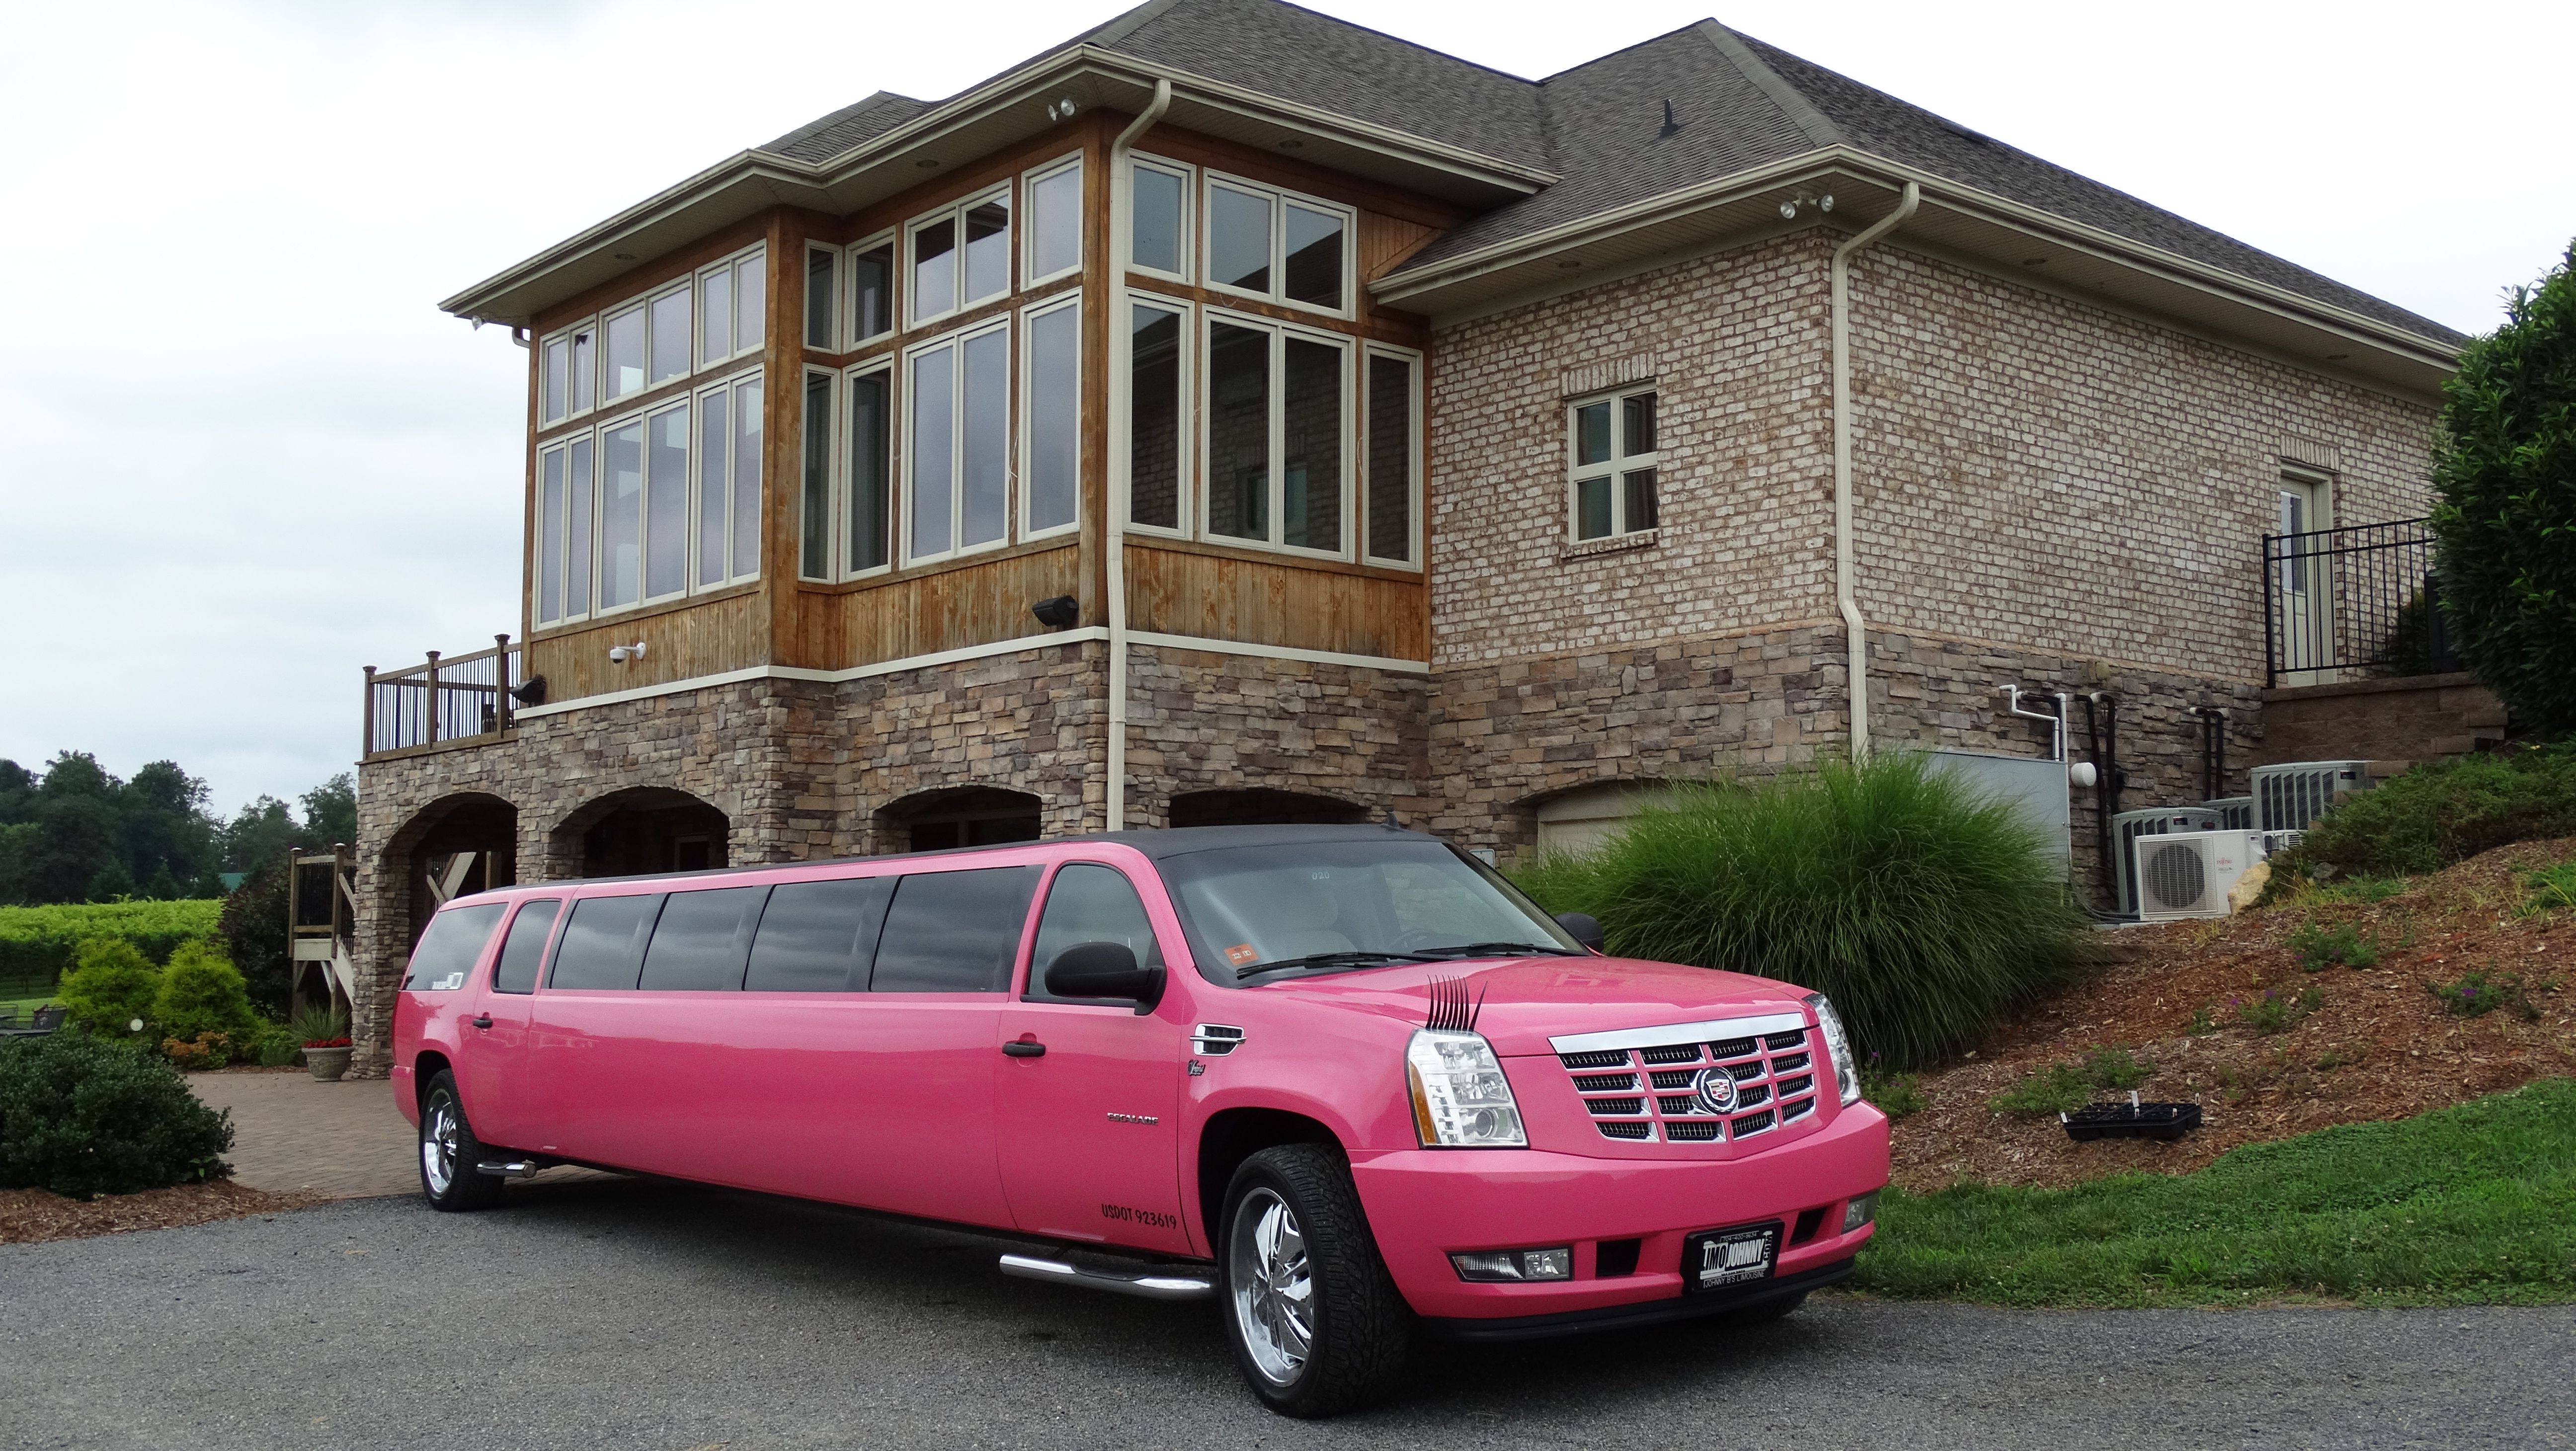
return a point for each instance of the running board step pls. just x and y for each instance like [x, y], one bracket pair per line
[1151, 1282]
[508, 1168]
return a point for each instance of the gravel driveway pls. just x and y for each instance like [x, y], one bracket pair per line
[635, 1314]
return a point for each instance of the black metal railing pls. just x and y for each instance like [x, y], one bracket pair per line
[2357, 600]
[449, 698]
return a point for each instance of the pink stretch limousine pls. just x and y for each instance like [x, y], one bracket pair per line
[1345, 1080]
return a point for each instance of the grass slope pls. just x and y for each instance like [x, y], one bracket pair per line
[2474, 1204]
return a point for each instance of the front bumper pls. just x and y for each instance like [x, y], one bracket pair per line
[1426, 1204]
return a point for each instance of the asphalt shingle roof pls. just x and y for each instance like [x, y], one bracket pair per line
[1601, 126]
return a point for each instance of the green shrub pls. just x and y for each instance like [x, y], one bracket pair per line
[1894, 1094]
[2477, 994]
[2504, 511]
[1926, 910]
[2113, 1068]
[2319, 948]
[41, 942]
[2057, 1088]
[2548, 889]
[276, 1047]
[2439, 813]
[80, 1117]
[2278, 1009]
[110, 985]
[201, 993]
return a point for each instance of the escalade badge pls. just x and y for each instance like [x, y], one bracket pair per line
[1715, 1090]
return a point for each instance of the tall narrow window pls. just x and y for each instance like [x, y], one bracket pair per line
[585, 370]
[1238, 425]
[984, 453]
[670, 335]
[988, 248]
[751, 301]
[1239, 239]
[1055, 222]
[580, 487]
[814, 559]
[1159, 238]
[666, 492]
[715, 315]
[1612, 444]
[958, 460]
[871, 470]
[744, 517]
[1154, 412]
[621, 516]
[1052, 405]
[820, 303]
[872, 292]
[556, 391]
[715, 457]
[1391, 445]
[624, 370]
[550, 536]
[934, 268]
[1310, 457]
[931, 456]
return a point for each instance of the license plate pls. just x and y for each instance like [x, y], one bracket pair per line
[1713, 1259]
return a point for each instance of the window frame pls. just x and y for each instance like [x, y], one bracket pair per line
[955, 213]
[1024, 417]
[1616, 467]
[730, 386]
[844, 491]
[834, 258]
[832, 474]
[569, 615]
[1186, 247]
[1187, 452]
[906, 449]
[733, 307]
[1279, 198]
[847, 310]
[1028, 238]
[1280, 331]
[572, 389]
[642, 308]
[581, 597]
[1416, 452]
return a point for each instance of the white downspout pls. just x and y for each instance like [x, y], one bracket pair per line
[1855, 629]
[1121, 341]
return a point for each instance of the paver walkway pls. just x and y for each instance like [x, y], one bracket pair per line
[294, 1132]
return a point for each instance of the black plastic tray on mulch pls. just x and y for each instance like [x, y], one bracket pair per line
[2131, 1120]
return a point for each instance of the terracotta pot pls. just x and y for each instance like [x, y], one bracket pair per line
[327, 1064]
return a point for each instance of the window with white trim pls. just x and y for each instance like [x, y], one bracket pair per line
[1278, 245]
[651, 506]
[1157, 412]
[1610, 478]
[728, 482]
[1158, 210]
[570, 360]
[961, 255]
[1391, 456]
[814, 531]
[871, 289]
[822, 303]
[871, 478]
[1277, 443]
[957, 440]
[1051, 418]
[1054, 223]
[732, 307]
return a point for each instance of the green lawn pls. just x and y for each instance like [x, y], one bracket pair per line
[2468, 1205]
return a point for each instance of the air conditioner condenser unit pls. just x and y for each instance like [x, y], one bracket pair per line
[2129, 826]
[2291, 796]
[2189, 873]
[2235, 813]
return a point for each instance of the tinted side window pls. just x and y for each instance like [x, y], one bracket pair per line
[817, 937]
[447, 951]
[524, 950]
[1088, 902]
[954, 932]
[603, 944]
[701, 940]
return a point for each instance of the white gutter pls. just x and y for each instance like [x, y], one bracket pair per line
[1855, 629]
[1121, 343]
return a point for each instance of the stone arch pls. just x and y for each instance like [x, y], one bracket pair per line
[641, 829]
[466, 842]
[955, 816]
[1263, 806]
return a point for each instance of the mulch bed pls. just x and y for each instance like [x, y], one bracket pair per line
[2380, 1046]
[31, 1216]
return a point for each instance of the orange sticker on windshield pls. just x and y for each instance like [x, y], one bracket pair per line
[1241, 953]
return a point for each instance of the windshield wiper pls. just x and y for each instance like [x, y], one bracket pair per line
[1331, 959]
[1499, 949]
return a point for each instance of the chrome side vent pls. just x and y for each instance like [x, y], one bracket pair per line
[1215, 1040]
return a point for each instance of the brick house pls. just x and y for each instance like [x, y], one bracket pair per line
[1441, 443]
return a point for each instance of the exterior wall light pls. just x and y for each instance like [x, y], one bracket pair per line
[620, 654]
[1058, 612]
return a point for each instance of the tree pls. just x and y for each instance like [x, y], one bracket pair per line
[110, 985]
[253, 931]
[112, 884]
[75, 841]
[262, 832]
[2504, 516]
[162, 825]
[330, 813]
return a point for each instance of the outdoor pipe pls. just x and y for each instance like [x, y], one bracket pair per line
[1121, 343]
[1855, 629]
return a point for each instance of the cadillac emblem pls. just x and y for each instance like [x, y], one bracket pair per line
[1715, 1090]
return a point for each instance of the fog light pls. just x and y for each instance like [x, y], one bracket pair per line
[1860, 1211]
[1516, 1264]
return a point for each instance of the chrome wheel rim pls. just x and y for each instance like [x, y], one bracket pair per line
[1272, 1290]
[438, 1144]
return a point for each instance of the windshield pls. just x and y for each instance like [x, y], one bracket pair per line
[1254, 912]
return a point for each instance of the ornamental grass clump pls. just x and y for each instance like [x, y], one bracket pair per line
[1926, 909]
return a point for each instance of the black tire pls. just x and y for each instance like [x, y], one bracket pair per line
[1359, 1331]
[464, 1187]
[1766, 1312]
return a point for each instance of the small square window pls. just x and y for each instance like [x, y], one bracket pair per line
[1612, 465]
[1276, 245]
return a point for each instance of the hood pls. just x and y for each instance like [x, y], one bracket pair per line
[1528, 1000]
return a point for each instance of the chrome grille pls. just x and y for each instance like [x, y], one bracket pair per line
[1772, 1072]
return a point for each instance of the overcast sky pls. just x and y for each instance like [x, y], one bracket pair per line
[245, 454]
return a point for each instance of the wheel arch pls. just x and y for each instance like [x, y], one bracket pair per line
[1232, 1135]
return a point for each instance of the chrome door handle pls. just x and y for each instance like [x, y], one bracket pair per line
[1025, 1050]
[482, 1020]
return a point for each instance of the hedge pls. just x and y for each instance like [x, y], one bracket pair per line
[36, 943]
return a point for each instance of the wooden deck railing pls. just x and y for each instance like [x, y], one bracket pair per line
[450, 698]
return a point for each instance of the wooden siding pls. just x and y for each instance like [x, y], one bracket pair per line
[1177, 589]
[940, 609]
[683, 639]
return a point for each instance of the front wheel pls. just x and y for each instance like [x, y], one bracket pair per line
[449, 1152]
[1317, 1325]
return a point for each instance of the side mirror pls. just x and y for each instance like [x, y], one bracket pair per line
[1582, 927]
[1104, 970]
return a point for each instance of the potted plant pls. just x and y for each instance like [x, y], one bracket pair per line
[325, 1035]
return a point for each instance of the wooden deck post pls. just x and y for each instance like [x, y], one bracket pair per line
[500, 684]
[430, 727]
[367, 745]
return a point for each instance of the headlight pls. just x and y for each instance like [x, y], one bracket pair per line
[1838, 1043]
[1460, 1098]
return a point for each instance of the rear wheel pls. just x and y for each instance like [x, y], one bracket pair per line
[1317, 1325]
[449, 1152]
